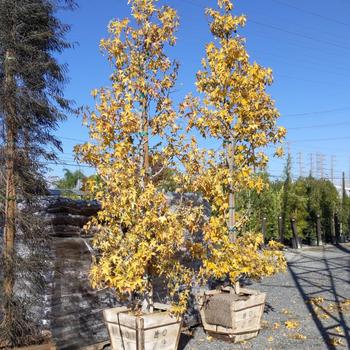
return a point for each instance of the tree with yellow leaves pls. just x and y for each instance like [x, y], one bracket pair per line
[237, 111]
[135, 139]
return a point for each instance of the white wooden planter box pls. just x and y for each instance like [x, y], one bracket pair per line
[245, 314]
[154, 331]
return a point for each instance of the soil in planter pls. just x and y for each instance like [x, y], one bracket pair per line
[142, 314]
[218, 309]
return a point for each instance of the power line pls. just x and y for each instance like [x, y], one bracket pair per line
[309, 61]
[317, 112]
[309, 66]
[318, 126]
[300, 35]
[312, 13]
[328, 83]
[285, 30]
[68, 164]
[322, 139]
[295, 43]
[71, 139]
[305, 67]
[292, 32]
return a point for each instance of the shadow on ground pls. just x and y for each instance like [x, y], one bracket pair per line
[307, 270]
[184, 339]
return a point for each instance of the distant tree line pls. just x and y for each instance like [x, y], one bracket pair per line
[302, 199]
[274, 207]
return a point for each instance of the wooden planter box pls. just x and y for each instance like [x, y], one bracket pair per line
[235, 319]
[154, 331]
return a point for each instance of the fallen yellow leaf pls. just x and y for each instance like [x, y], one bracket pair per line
[286, 311]
[264, 324]
[339, 330]
[276, 325]
[345, 305]
[298, 336]
[316, 300]
[290, 324]
[332, 307]
[336, 342]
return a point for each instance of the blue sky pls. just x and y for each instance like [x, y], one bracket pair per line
[306, 43]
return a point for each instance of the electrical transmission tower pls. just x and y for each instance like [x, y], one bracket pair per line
[311, 164]
[320, 165]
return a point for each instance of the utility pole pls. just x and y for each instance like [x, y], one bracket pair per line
[322, 166]
[291, 159]
[301, 166]
[332, 167]
[311, 165]
[342, 203]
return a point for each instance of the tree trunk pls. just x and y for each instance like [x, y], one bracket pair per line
[10, 195]
[295, 240]
[337, 228]
[146, 168]
[147, 172]
[319, 230]
[263, 227]
[232, 204]
[146, 147]
[280, 231]
[333, 237]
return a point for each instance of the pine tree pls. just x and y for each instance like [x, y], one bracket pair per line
[31, 105]
[285, 214]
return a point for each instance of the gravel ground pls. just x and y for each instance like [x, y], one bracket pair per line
[323, 323]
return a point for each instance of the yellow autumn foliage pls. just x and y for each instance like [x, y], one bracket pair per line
[135, 138]
[235, 110]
